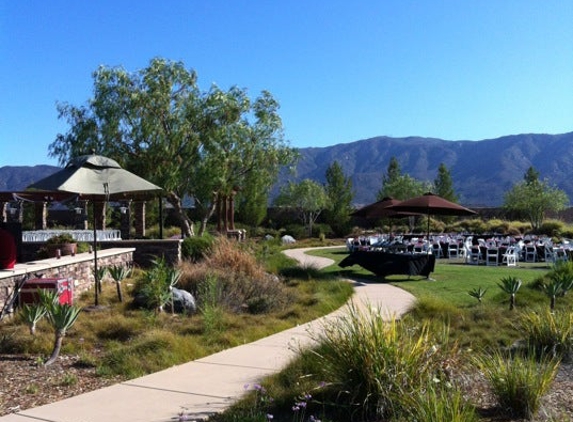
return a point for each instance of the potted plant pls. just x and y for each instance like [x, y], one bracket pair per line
[64, 242]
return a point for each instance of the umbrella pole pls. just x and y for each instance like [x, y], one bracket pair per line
[95, 255]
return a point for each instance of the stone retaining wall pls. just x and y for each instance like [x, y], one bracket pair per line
[79, 268]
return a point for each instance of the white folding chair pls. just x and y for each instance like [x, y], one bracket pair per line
[492, 256]
[510, 257]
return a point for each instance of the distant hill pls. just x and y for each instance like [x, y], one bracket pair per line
[481, 170]
[17, 178]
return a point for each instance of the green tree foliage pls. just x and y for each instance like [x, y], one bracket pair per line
[397, 185]
[307, 198]
[157, 123]
[532, 198]
[443, 185]
[339, 192]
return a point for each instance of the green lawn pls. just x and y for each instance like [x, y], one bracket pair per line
[451, 281]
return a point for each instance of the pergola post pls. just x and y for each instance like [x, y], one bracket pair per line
[139, 212]
[41, 215]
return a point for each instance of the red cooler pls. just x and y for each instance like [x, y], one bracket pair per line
[63, 286]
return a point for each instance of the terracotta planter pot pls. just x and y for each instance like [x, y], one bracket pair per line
[65, 249]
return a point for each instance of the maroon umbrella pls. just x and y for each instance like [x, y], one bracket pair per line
[379, 209]
[431, 204]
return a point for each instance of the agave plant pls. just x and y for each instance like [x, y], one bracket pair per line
[510, 285]
[101, 273]
[119, 273]
[32, 314]
[478, 293]
[552, 290]
[61, 317]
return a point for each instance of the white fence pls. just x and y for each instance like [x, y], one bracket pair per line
[78, 235]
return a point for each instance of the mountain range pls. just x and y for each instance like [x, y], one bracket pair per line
[482, 171]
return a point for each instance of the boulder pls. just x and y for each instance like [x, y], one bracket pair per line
[287, 239]
[183, 302]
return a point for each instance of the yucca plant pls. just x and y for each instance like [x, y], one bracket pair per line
[478, 293]
[552, 290]
[563, 277]
[518, 382]
[32, 314]
[62, 317]
[510, 285]
[101, 274]
[119, 273]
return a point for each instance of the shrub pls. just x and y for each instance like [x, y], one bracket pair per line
[242, 281]
[518, 382]
[548, 333]
[373, 363]
[297, 231]
[322, 230]
[154, 289]
[551, 228]
[196, 248]
[497, 226]
[435, 404]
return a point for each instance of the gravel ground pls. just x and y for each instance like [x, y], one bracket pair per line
[25, 384]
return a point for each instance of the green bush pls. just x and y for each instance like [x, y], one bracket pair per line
[374, 363]
[196, 248]
[297, 231]
[548, 333]
[551, 228]
[322, 231]
[518, 382]
[154, 288]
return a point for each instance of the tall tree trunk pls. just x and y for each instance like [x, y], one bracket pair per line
[177, 203]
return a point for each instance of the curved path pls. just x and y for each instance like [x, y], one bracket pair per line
[194, 390]
[391, 300]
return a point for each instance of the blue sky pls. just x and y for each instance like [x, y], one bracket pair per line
[342, 71]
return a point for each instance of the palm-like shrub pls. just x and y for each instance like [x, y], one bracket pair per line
[510, 285]
[119, 273]
[61, 317]
[156, 286]
[518, 382]
[32, 314]
[478, 293]
[552, 290]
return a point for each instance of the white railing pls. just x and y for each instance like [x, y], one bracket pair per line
[78, 235]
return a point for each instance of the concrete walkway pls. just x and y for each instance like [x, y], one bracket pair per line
[211, 384]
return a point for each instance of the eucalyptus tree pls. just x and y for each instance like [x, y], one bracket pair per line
[157, 123]
[532, 198]
[339, 192]
[307, 198]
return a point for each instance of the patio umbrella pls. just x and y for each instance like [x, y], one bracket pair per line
[430, 204]
[380, 209]
[99, 179]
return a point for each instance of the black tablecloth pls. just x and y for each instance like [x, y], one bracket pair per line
[385, 263]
